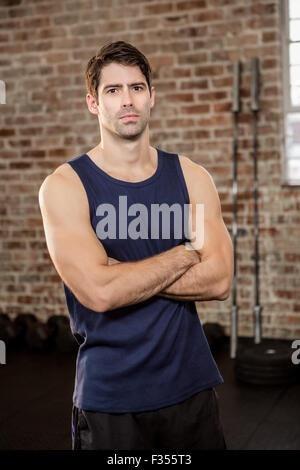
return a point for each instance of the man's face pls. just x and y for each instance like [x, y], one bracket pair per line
[123, 90]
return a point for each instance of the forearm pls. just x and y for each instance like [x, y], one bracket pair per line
[133, 282]
[203, 281]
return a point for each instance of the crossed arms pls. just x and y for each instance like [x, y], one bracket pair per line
[211, 277]
[101, 283]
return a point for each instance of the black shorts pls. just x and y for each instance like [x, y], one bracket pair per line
[190, 424]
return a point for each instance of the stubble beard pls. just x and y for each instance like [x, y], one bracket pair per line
[132, 129]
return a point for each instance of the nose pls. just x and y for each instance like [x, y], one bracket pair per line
[126, 98]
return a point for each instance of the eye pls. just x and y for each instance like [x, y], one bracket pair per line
[137, 86]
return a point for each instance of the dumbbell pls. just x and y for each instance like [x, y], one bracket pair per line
[31, 332]
[37, 336]
[21, 325]
[61, 336]
[8, 332]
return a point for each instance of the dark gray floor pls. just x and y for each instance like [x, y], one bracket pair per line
[36, 402]
[257, 417]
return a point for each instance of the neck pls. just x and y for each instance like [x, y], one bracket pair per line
[126, 155]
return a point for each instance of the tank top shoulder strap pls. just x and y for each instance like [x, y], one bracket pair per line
[79, 166]
[173, 167]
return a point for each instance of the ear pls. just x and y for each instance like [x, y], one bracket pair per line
[152, 99]
[91, 103]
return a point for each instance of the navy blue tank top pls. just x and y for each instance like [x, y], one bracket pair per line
[154, 353]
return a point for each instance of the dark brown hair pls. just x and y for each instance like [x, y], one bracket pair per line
[120, 52]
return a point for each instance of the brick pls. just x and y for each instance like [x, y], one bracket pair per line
[161, 61]
[33, 154]
[192, 84]
[240, 11]
[181, 46]
[180, 97]
[217, 56]
[212, 95]
[191, 32]
[4, 37]
[247, 39]
[270, 36]
[52, 33]
[37, 46]
[208, 16]
[195, 109]
[261, 9]
[19, 165]
[194, 58]
[191, 4]
[20, 12]
[28, 299]
[7, 132]
[70, 18]
[222, 82]
[215, 120]
[270, 63]
[209, 70]
[10, 24]
[180, 122]
[142, 24]
[105, 14]
[177, 72]
[49, 8]
[157, 9]
[221, 107]
[226, 28]
[36, 22]
[196, 134]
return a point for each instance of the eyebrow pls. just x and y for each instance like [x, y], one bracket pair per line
[119, 85]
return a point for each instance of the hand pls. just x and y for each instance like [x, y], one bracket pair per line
[189, 252]
[112, 261]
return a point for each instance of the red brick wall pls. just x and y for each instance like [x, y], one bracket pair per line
[44, 48]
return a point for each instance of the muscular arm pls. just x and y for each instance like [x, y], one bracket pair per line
[186, 287]
[132, 282]
[211, 278]
[206, 280]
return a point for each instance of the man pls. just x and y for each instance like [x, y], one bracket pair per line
[145, 375]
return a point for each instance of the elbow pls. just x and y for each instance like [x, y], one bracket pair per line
[104, 304]
[224, 296]
[224, 290]
[99, 295]
[99, 304]
[225, 284]
[108, 301]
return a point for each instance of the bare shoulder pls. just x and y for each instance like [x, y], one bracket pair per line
[63, 184]
[200, 186]
[65, 172]
[194, 172]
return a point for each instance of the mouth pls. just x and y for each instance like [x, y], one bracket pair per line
[129, 117]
